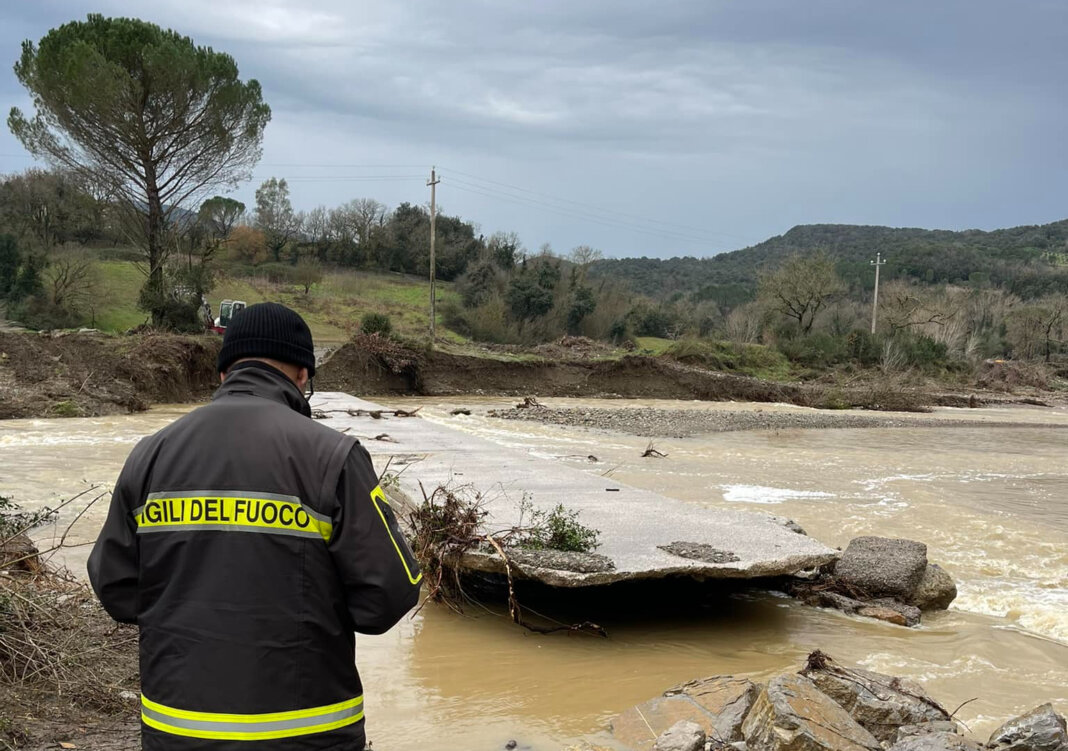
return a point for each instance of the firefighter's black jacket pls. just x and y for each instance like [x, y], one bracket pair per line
[248, 543]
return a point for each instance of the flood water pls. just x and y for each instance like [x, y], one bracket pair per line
[991, 504]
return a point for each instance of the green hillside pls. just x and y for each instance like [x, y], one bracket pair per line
[1029, 261]
[333, 307]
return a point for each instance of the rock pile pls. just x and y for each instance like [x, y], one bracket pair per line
[884, 578]
[824, 707]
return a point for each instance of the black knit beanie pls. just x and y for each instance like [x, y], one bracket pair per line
[268, 329]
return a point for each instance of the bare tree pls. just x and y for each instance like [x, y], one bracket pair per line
[801, 287]
[906, 306]
[307, 272]
[584, 255]
[744, 323]
[1036, 329]
[70, 281]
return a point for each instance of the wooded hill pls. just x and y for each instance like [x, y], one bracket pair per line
[1028, 261]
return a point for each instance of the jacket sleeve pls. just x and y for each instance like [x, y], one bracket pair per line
[377, 569]
[114, 562]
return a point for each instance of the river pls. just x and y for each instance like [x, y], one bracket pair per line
[991, 503]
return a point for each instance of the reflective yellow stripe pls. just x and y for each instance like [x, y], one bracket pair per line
[295, 714]
[262, 513]
[251, 727]
[379, 497]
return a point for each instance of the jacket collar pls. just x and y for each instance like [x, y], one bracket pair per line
[260, 379]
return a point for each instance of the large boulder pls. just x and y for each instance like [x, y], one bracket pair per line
[640, 726]
[18, 553]
[682, 736]
[791, 714]
[883, 608]
[883, 566]
[880, 703]
[1041, 729]
[936, 590]
[936, 741]
[726, 698]
[923, 728]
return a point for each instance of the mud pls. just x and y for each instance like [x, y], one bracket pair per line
[84, 375]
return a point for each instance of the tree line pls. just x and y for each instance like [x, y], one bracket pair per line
[145, 130]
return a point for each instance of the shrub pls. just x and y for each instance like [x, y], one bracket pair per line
[376, 323]
[749, 359]
[558, 529]
[650, 321]
[818, 350]
[486, 323]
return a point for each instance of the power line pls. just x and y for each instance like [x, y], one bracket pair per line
[662, 234]
[340, 164]
[575, 213]
[344, 178]
[599, 209]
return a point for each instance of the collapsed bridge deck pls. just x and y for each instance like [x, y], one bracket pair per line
[643, 535]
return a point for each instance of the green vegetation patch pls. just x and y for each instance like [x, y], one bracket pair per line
[747, 359]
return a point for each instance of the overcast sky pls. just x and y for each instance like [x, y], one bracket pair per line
[676, 127]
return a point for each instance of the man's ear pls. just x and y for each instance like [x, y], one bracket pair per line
[222, 377]
[302, 378]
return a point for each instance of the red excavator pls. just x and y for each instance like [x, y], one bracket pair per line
[227, 310]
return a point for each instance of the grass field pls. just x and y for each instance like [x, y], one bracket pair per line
[333, 308]
[652, 345]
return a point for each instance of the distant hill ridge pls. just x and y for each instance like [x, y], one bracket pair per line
[1029, 261]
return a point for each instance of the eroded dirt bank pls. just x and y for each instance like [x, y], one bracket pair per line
[373, 366]
[87, 374]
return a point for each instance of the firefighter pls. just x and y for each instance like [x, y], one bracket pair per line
[248, 543]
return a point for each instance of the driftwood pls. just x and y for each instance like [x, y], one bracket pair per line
[445, 527]
[529, 402]
[651, 451]
[375, 414]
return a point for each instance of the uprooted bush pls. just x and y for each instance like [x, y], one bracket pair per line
[450, 523]
[57, 643]
[60, 653]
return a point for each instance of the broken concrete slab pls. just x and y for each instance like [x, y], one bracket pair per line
[634, 524]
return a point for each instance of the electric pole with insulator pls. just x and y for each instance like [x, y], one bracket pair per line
[875, 302]
[432, 182]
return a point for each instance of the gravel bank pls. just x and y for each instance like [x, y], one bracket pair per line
[682, 423]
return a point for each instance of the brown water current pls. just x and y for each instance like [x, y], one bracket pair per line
[991, 504]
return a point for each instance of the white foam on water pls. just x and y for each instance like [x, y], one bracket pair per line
[927, 671]
[766, 495]
[16, 440]
[1039, 607]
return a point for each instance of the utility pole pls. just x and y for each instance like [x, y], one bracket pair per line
[875, 303]
[432, 182]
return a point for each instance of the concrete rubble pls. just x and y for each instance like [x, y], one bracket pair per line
[638, 528]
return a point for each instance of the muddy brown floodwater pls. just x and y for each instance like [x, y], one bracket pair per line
[991, 503]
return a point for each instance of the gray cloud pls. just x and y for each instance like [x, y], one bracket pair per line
[740, 117]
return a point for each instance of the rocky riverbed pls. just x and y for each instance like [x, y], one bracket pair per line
[823, 707]
[683, 423]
